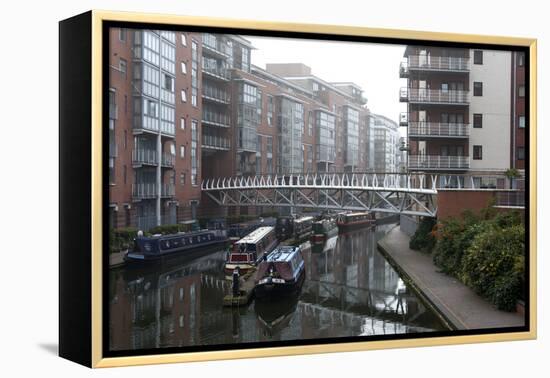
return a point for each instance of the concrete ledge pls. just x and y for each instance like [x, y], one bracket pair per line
[456, 304]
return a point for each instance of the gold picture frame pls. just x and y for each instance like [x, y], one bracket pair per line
[93, 23]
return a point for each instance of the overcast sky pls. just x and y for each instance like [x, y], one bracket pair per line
[372, 66]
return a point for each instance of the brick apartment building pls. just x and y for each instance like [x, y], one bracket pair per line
[459, 102]
[190, 106]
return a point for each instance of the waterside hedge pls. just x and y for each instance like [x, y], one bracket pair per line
[485, 252]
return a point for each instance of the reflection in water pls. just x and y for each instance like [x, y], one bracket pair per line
[349, 290]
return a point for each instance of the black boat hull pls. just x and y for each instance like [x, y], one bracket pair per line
[195, 251]
[274, 290]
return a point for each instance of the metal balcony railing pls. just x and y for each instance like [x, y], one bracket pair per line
[214, 118]
[212, 43]
[149, 190]
[438, 162]
[437, 63]
[149, 157]
[220, 73]
[434, 96]
[215, 142]
[403, 119]
[439, 129]
[216, 94]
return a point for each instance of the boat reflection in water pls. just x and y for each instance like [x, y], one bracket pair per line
[349, 290]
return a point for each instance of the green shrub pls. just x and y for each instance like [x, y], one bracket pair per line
[453, 239]
[494, 265]
[168, 229]
[423, 239]
[121, 238]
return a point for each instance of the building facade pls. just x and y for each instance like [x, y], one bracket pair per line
[387, 156]
[184, 107]
[458, 101]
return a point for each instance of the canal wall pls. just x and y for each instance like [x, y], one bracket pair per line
[458, 306]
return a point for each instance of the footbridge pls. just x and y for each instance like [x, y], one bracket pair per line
[409, 194]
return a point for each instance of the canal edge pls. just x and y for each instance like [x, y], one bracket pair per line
[385, 250]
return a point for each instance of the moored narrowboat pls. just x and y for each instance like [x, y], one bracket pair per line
[157, 247]
[237, 231]
[297, 229]
[246, 252]
[323, 230]
[351, 221]
[280, 272]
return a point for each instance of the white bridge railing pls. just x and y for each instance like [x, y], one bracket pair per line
[412, 194]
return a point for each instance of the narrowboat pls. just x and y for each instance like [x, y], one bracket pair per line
[350, 221]
[280, 272]
[237, 231]
[323, 230]
[157, 247]
[246, 252]
[297, 229]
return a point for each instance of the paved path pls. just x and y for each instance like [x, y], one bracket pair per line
[460, 305]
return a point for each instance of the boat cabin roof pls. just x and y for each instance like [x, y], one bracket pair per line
[256, 235]
[355, 214]
[284, 253]
[303, 219]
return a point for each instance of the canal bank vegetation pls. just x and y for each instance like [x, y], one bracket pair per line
[486, 252]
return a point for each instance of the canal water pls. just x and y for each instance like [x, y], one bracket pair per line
[349, 290]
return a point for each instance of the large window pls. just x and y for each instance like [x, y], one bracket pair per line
[194, 152]
[478, 152]
[478, 57]
[521, 122]
[478, 88]
[521, 91]
[194, 73]
[478, 120]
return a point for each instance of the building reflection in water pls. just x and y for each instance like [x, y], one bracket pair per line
[349, 290]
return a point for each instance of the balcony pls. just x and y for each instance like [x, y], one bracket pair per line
[439, 130]
[434, 64]
[215, 95]
[211, 45]
[510, 199]
[214, 142]
[403, 119]
[149, 157]
[145, 124]
[437, 162]
[142, 191]
[434, 96]
[215, 72]
[215, 119]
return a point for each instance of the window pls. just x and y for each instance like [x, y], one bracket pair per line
[182, 151]
[444, 87]
[122, 66]
[478, 88]
[122, 35]
[478, 120]
[478, 152]
[182, 124]
[124, 173]
[521, 59]
[183, 39]
[521, 122]
[521, 153]
[183, 96]
[478, 57]
[183, 68]
[182, 179]
[521, 91]
[194, 96]
[168, 83]
[270, 110]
